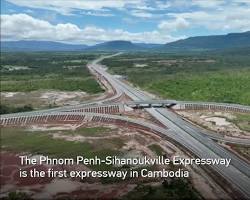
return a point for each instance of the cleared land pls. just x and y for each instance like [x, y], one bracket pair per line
[33, 74]
[42, 142]
[198, 77]
[225, 123]
[99, 141]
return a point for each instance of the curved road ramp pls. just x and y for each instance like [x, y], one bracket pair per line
[193, 139]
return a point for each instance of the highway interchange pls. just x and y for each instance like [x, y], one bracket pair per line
[238, 173]
[199, 142]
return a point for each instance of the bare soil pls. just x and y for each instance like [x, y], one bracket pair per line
[216, 121]
[45, 98]
[135, 144]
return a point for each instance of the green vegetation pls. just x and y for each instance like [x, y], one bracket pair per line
[174, 189]
[7, 109]
[91, 132]
[40, 142]
[24, 72]
[242, 150]
[84, 84]
[228, 87]
[242, 120]
[157, 149]
[221, 77]
[17, 196]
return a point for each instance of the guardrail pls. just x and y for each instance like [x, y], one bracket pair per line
[190, 105]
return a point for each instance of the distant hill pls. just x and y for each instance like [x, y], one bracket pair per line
[117, 45]
[148, 45]
[39, 46]
[122, 45]
[214, 42]
[230, 42]
[243, 51]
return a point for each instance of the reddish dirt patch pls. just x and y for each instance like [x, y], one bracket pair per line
[50, 188]
[10, 166]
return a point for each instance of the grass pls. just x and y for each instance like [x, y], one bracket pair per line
[41, 71]
[18, 196]
[176, 189]
[85, 84]
[228, 87]
[242, 120]
[57, 71]
[198, 77]
[90, 132]
[7, 109]
[40, 142]
[157, 149]
[242, 150]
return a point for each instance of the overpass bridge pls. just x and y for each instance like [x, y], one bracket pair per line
[78, 117]
[151, 103]
[188, 105]
[237, 175]
[174, 127]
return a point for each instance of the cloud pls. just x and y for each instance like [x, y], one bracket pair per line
[166, 17]
[235, 18]
[184, 4]
[145, 14]
[68, 6]
[142, 14]
[174, 25]
[25, 27]
[208, 3]
[247, 2]
[97, 13]
[161, 5]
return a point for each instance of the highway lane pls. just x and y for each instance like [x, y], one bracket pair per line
[197, 147]
[213, 135]
[185, 126]
[90, 103]
[237, 174]
[183, 133]
[149, 125]
[185, 104]
[203, 132]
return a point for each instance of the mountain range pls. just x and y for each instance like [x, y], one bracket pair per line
[118, 45]
[213, 42]
[198, 43]
[33, 45]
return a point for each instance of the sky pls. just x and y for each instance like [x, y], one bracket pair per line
[95, 21]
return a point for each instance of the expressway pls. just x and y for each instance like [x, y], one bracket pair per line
[196, 140]
[24, 118]
[185, 105]
[237, 174]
